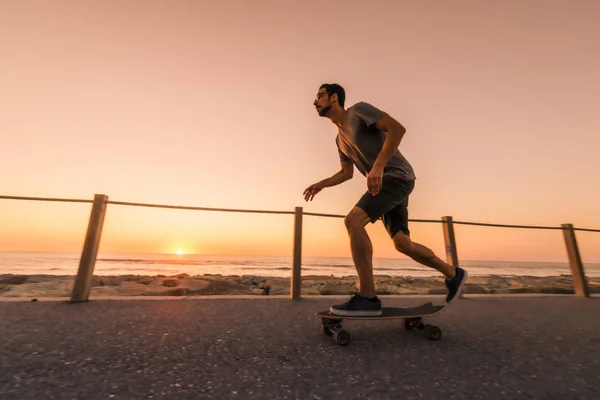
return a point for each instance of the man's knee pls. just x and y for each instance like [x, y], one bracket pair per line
[356, 219]
[402, 243]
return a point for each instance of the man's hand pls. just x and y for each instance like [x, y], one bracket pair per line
[339, 177]
[311, 191]
[394, 135]
[375, 179]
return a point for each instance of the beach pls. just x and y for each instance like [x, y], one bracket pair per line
[39, 286]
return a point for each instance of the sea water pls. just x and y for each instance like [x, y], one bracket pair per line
[44, 263]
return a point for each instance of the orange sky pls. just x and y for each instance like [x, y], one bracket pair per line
[210, 104]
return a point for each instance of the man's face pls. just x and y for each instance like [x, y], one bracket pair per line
[322, 103]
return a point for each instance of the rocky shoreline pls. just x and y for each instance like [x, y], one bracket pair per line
[203, 285]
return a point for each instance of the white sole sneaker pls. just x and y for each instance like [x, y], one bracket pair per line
[361, 313]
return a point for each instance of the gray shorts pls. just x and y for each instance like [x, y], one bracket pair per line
[390, 204]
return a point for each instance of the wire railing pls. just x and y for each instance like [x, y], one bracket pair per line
[51, 199]
[82, 285]
[196, 208]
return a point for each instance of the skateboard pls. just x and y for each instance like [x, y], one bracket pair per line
[331, 324]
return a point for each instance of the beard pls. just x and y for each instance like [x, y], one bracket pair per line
[324, 111]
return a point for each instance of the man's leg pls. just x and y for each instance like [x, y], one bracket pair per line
[422, 255]
[368, 209]
[362, 250]
[396, 223]
[455, 276]
[365, 303]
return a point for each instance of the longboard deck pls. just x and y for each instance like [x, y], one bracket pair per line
[423, 310]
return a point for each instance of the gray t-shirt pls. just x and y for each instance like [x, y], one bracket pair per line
[360, 141]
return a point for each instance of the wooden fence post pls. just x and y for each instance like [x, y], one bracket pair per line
[296, 281]
[450, 241]
[83, 281]
[578, 274]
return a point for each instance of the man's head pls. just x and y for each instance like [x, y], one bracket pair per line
[329, 96]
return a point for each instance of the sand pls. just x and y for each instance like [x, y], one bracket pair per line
[34, 286]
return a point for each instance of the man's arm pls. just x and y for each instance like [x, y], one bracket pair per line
[342, 176]
[395, 132]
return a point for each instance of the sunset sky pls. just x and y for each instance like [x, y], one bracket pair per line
[207, 103]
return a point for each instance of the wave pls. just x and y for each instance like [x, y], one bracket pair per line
[186, 262]
[251, 265]
[276, 266]
[374, 268]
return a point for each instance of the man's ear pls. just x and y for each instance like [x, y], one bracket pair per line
[334, 97]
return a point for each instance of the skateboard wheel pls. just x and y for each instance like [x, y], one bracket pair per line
[341, 337]
[433, 332]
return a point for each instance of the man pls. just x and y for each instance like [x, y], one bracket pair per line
[368, 139]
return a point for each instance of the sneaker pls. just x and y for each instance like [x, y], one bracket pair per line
[455, 284]
[359, 306]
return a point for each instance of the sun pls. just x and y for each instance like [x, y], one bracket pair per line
[180, 251]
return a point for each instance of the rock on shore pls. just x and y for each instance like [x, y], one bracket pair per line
[201, 285]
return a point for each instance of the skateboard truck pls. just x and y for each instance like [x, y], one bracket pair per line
[334, 327]
[433, 332]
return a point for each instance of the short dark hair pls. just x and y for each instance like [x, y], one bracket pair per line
[332, 88]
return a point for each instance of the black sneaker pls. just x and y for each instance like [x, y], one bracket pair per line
[358, 306]
[455, 284]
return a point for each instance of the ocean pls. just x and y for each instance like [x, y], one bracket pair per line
[38, 263]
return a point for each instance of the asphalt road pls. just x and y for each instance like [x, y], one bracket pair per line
[516, 348]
